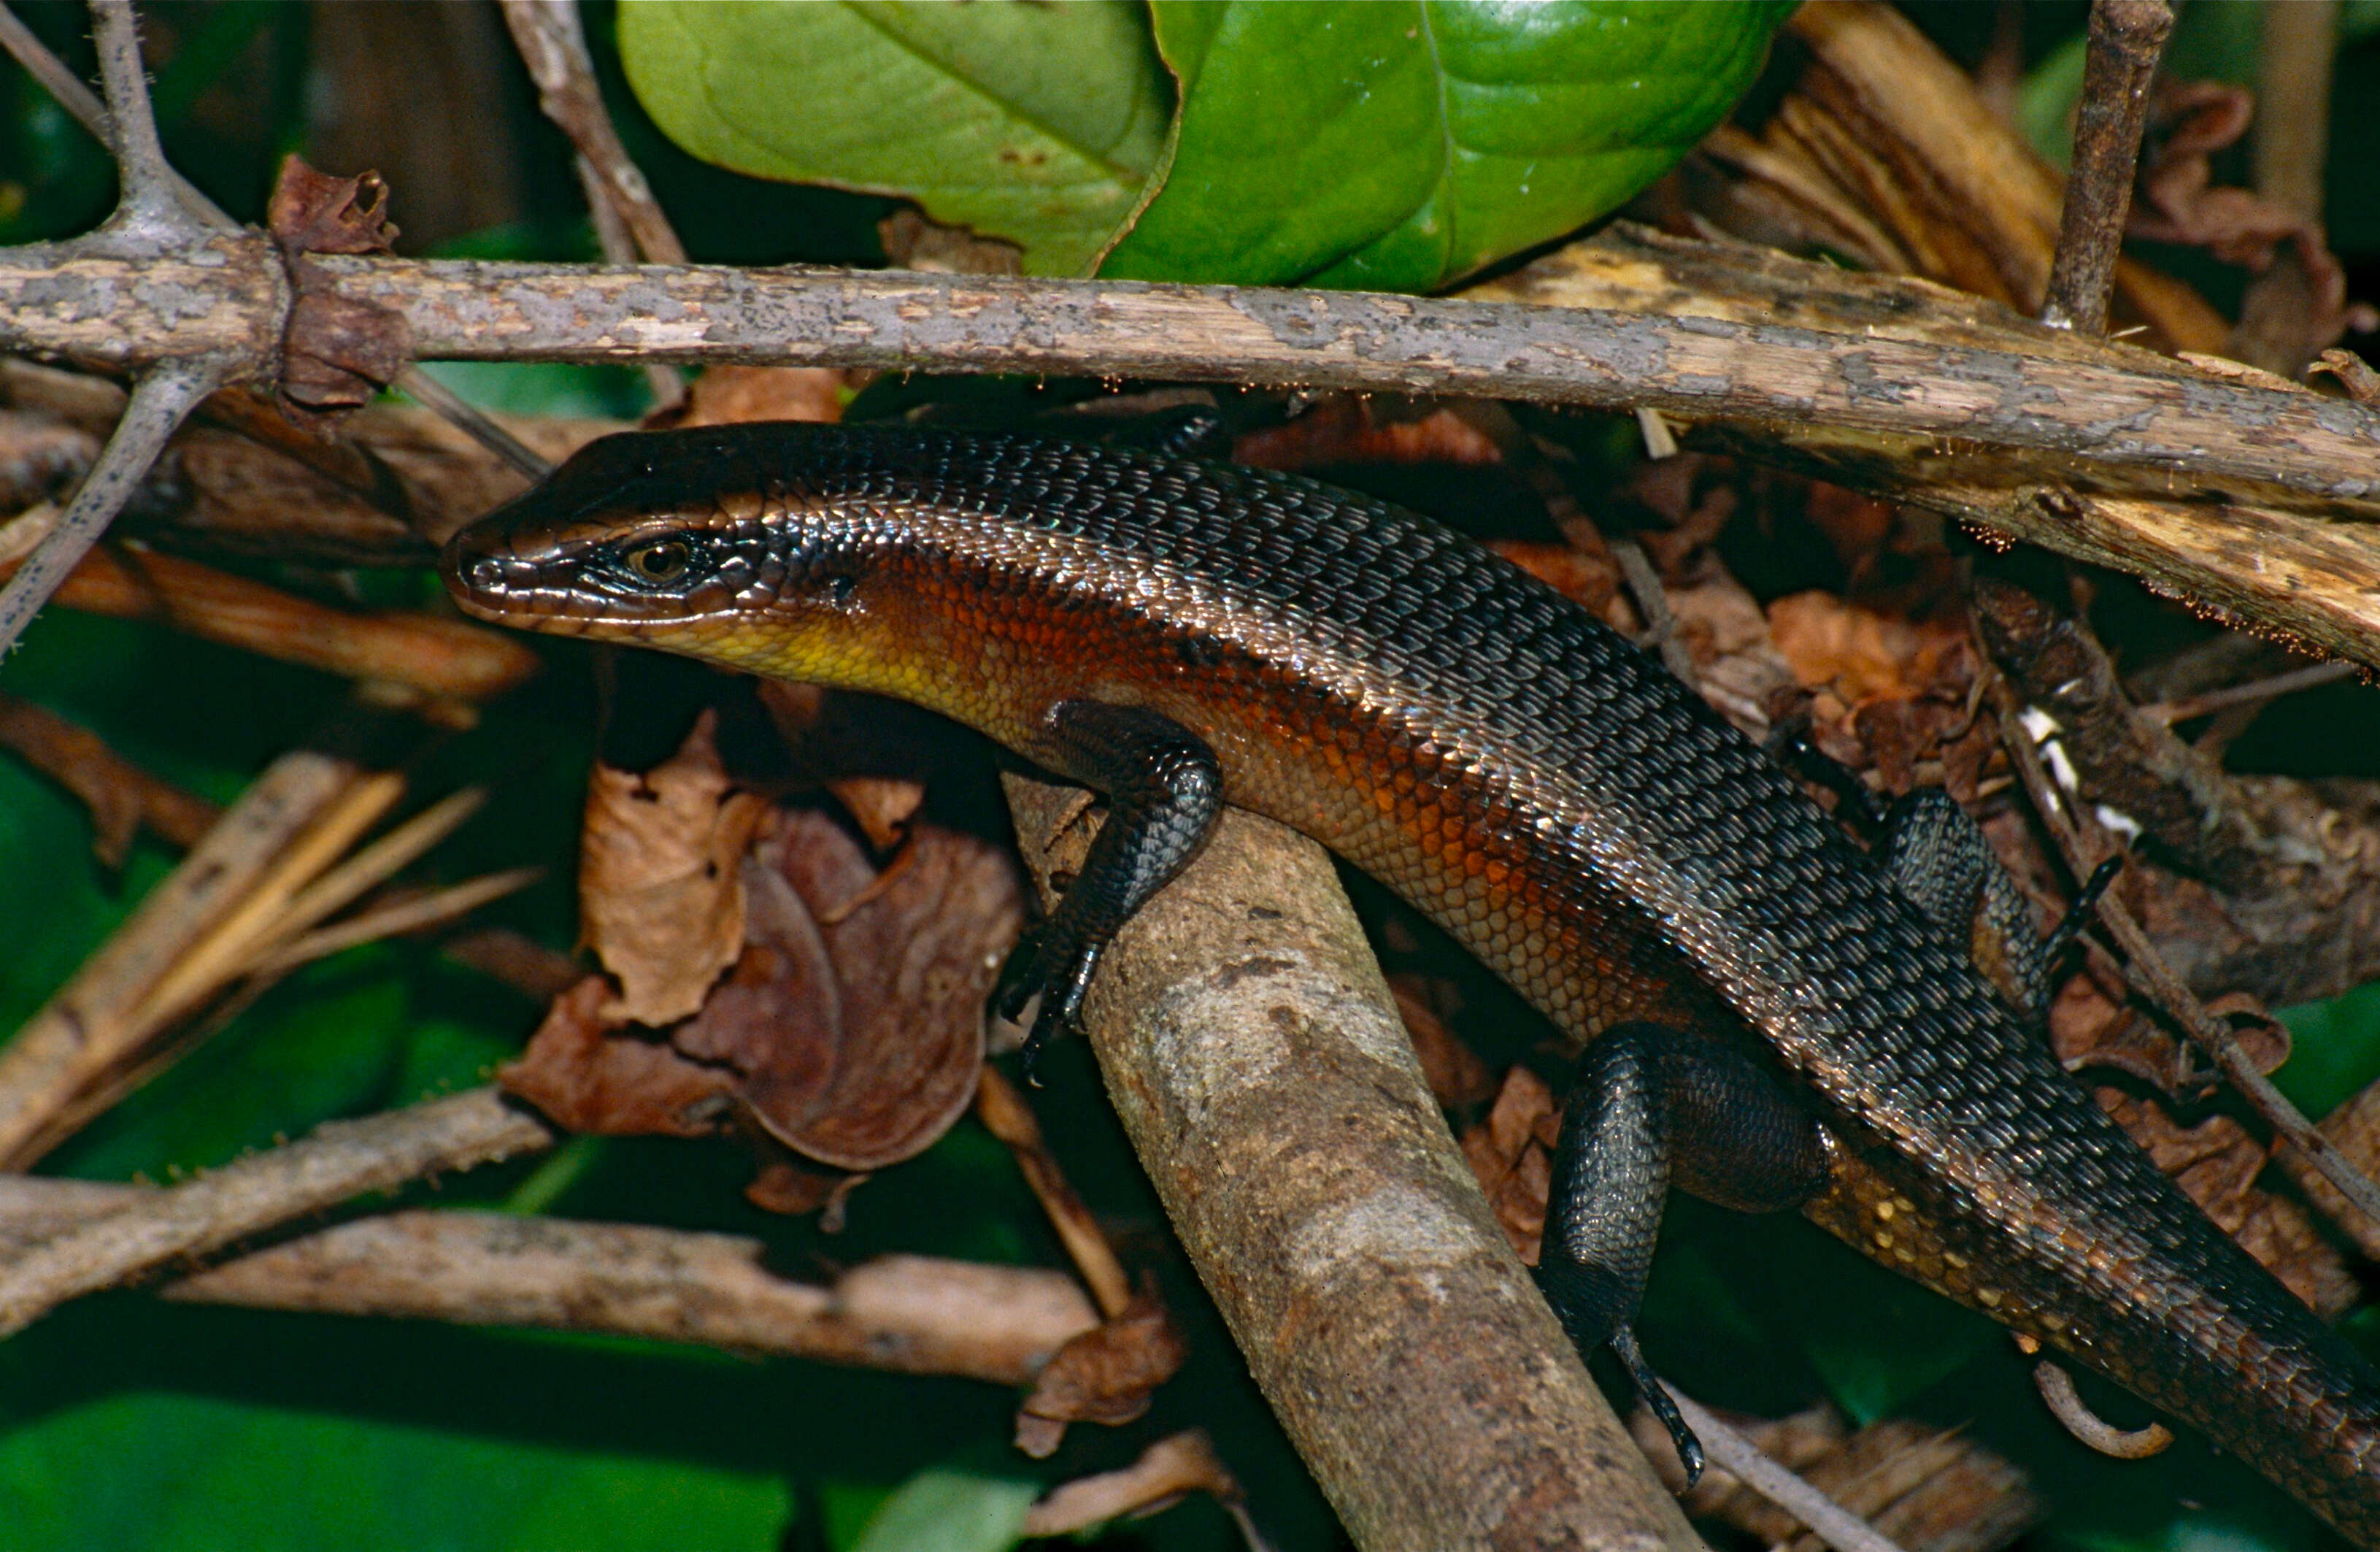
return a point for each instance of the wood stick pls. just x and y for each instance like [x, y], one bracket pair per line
[2127, 39]
[341, 1160]
[1262, 1070]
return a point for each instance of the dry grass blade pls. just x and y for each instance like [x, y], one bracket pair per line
[397, 917]
[86, 1029]
[231, 944]
[1008, 1115]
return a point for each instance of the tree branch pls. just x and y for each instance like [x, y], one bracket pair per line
[340, 1161]
[2126, 42]
[1270, 1090]
[160, 402]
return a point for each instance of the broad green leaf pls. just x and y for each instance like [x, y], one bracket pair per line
[1038, 124]
[165, 1472]
[1399, 146]
[949, 1509]
[2334, 1049]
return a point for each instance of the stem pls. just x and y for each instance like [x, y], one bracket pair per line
[160, 403]
[2126, 40]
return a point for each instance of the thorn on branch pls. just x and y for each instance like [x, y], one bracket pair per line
[149, 206]
[2126, 40]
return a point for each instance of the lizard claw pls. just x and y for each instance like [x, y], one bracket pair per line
[1059, 975]
[1648, 1387]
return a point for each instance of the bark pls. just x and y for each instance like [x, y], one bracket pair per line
[1258, 1063]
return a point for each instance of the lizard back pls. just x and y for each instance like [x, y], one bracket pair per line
[1516, 770]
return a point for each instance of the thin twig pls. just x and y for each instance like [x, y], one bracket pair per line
[435, 658]
[340, 1161]
[2126, 40]
[1008, 1115]
[1739, 1458]
[628, 220]
[914, 1315]
[160, 402]
[1653, 602]
[2148, 971]
[397, 917]
[82, 105]
[121, 795]
[149, 216]
[2254, 691]
[1176, 1465]
[85, 108]
[147, 201]
[473, 423]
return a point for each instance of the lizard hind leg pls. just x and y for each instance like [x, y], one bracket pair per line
[1651, 1106]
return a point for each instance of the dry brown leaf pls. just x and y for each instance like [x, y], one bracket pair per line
[1592, 581]
[882, 805]
[1104, 1375]
[910, 954]
[1453, 1071]
[797, 1188]
[2178, 202]
[1511, 1151]
[1178, 1464]
[587, 1076]
[1349, 428]
[660, 897]
[311, 211]
[727, 395]
[2217, 1162]
[1857, 652]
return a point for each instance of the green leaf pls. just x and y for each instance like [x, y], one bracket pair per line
[184, 1474]
[1038, 124]
[1400, 146]
[2334, 1049]
[951, 1509]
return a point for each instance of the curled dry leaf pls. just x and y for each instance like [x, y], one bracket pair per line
[1363, 428]
[2217, 1162]
[850, 1027]
[338, 352]
[311, 211]
[1511, 1151]
[1173, 1466]
[660, 893]
[2177, 201]
[729, 394]
[1104, 1375]
[881, 806]
[887, 976]
[586, 1075]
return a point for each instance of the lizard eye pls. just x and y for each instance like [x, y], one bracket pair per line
[663, 562]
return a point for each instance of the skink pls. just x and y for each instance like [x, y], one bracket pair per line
[1783, 1022]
